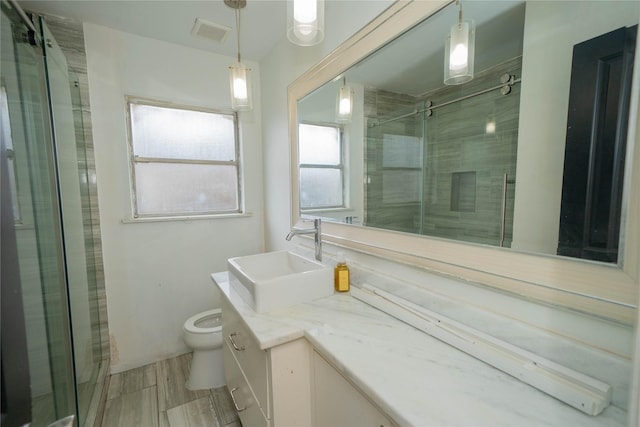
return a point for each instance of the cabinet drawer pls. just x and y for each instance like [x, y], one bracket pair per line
[241, 393]
[245, 349]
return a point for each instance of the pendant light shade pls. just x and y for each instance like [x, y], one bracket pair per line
[459, 52]
[344, 106]
[239, 74]
[240, 83]
[305, 22]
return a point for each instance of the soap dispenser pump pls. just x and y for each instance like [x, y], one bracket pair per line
[341, 274]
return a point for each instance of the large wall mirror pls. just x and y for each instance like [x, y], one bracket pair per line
[520, 177]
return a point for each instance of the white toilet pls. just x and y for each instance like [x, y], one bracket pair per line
[203, 333]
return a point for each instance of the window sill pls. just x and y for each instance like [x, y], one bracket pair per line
[184, 218]
[321, 210]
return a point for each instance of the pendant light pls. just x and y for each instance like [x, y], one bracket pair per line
[305, 21]
[239, 73]
[459, 51]
[344, 106]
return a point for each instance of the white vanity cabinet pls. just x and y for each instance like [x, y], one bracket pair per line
[337, 403]
[269, 388]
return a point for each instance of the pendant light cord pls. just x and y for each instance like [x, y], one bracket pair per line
[459, 3]
[238, 27]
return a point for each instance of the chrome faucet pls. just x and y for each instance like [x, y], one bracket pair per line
[316, 231]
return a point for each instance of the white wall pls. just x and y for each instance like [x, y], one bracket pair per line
[157, 273]
[279, 69]
[551, 29]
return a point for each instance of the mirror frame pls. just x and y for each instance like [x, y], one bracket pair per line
[569, 283]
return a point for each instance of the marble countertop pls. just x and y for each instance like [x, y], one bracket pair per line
[414, 378]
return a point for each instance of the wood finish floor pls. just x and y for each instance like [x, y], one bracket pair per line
[155, 396]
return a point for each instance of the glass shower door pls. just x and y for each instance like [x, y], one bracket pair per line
[39, 247]
[395, 168]
[71, 160]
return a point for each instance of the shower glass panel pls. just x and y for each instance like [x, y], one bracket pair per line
[46, 161]
[395, 164]
[86, 378]
[25, 127]
[449, 158]
[471, 160]
[64, 97]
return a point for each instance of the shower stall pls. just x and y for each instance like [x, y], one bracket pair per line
[443, 163]
[49, 253]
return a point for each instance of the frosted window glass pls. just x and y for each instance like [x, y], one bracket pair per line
[185, 161]
[320, 188]
[319, 145]
[165, 188]
[173, 133]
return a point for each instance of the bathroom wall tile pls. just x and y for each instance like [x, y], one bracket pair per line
[98, 400]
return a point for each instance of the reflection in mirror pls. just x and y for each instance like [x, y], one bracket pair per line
[485, 161]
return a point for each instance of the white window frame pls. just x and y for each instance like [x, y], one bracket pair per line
[340, 167]
[133, 159]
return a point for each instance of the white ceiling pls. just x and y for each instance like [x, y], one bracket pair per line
[263, 25]
[262, 21]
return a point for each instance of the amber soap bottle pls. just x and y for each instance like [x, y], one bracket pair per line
[341, 275]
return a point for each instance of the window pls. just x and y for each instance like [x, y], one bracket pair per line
[321, 166]
[184, 161]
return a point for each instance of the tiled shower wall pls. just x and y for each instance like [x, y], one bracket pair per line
[383, 210]
[470, 146]
[70, 38]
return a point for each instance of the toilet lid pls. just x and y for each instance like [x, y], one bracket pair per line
[205, 322]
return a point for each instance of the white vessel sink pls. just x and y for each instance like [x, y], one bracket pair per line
[274, 280]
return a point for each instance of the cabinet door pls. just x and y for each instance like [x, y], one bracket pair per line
[337, 403]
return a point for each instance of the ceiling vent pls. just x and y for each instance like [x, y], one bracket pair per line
[209, 30]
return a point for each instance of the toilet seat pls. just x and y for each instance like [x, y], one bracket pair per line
[191, 325]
